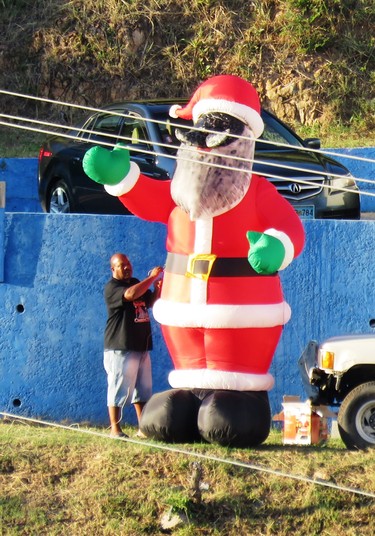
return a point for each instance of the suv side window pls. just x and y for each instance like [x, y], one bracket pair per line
[134, 134]
[102, 127]
[106, 124]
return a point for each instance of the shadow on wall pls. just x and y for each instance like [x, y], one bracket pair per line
[25, 257]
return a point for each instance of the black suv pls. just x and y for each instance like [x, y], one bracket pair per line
[147, 130]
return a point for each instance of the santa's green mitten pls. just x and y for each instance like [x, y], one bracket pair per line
[107, 167]
[266, 253]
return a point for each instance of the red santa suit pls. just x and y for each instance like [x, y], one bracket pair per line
[220, 319]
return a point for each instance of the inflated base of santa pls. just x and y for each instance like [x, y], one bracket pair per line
[229, 418]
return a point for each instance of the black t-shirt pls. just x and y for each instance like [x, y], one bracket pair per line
[128, 325]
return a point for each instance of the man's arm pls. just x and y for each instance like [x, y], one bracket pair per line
[137, 290]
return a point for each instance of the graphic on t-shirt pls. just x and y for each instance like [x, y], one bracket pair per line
[141, 312]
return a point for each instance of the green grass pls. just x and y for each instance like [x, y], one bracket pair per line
[64, 482]
[15, 143]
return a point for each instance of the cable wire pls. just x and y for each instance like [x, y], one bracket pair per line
[162, 446]
[181, 158]
[166, 145]
[191, 127]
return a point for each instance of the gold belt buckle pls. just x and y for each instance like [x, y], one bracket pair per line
[200, 265]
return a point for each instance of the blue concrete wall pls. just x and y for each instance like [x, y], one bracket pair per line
[53, 312]
[21, 178]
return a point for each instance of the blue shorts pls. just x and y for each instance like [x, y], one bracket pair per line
[129, 377]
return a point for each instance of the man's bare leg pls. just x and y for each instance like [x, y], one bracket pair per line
[115, 419]
[138, 406]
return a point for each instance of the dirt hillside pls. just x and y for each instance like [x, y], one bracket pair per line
[312, 61]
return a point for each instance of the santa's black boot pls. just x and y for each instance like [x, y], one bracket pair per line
[171, 416]
[235, 418]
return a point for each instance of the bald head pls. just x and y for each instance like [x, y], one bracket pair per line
[121, 266]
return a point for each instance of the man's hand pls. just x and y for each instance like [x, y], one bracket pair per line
[266, 253]
[156, 273]
[105, 166]
[157, 287]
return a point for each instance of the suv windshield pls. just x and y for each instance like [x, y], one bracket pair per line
[167, 127]
[274, 131]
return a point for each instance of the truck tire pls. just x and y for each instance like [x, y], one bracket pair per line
[356, 418]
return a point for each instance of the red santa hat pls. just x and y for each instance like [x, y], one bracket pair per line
[227, 94]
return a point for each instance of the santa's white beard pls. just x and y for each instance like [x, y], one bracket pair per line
[203, 190]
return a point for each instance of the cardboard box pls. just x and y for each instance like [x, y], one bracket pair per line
[304, 424]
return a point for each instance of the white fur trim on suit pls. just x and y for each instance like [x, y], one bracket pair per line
[220, 379]
[173, 109]
[244, 113]
[287, 243]
[127, 182]
[221, 316]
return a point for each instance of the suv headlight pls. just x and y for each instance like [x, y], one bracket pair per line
[343, 182]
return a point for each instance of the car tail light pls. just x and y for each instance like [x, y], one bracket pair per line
[44, 153]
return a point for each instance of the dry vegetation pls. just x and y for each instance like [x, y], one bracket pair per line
[311, 60]
[60, 482]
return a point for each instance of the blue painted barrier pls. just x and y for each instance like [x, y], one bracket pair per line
[2, 213]
[53, 312]
[21, 178]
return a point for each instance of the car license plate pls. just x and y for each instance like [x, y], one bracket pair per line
[306, 212]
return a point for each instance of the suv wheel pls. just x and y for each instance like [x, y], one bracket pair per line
[356, 418]
[60, 199]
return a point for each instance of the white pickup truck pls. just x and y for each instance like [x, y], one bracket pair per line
[340, 372]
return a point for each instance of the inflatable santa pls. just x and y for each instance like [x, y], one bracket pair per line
[230, 232]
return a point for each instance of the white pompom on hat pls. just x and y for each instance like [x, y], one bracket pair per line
[227, 94]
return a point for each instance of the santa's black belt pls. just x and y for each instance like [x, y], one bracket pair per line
[203, 266]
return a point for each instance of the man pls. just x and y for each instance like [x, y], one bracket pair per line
[127, 339]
